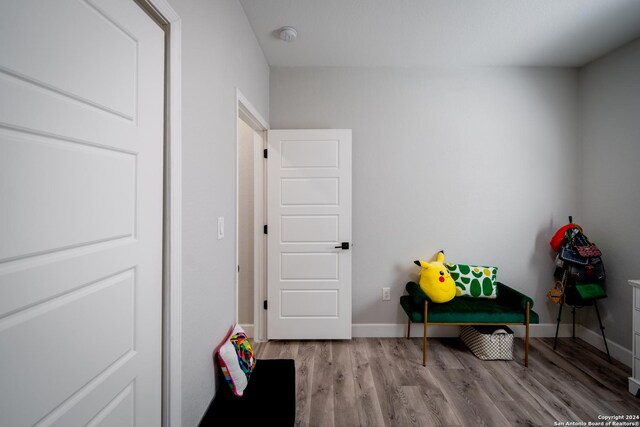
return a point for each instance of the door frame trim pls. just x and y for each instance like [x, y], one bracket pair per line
[171, 23]
[249, 114]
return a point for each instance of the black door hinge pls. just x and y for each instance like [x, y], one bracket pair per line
[238, 269]
[266, 156]
[265, 304]
[265, 229]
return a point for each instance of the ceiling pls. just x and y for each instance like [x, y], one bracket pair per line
[437, 33]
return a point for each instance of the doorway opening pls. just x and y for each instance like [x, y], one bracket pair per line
[250, 220]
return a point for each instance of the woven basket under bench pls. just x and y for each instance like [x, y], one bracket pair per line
[489, 342]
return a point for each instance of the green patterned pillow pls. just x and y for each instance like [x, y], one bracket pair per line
[474, 280]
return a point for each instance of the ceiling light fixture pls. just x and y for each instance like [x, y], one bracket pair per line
[288, 34]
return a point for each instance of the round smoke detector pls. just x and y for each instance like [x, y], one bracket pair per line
[288, 34]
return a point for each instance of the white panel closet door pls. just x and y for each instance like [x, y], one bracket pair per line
[81, 171]
[309, 216]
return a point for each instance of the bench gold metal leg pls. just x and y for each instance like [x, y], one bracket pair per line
[424, 343]
[526, 337]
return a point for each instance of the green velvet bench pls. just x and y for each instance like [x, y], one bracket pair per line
[509, 308]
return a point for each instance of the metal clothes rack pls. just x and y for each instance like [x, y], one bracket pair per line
[573, 299]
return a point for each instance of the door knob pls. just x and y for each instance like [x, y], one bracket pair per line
[344, 245]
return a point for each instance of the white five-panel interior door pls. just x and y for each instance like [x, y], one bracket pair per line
[81, 171]
[309, 219]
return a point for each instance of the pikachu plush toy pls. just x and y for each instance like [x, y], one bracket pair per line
[436, 281]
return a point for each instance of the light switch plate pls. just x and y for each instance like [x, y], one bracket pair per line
[386, 294]
[220, 227]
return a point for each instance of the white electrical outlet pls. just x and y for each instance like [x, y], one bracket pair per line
[220, 227]
[386, 294]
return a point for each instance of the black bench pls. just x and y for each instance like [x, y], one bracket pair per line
[270, 396]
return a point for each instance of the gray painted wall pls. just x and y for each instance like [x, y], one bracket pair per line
[610, 202]
[478, 162]
[219, 53]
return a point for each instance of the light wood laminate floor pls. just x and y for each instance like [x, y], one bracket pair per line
[381, 382]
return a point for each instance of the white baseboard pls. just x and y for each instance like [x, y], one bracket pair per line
[248, 329]
[540, 330]
[617, 351]
[390, 330]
